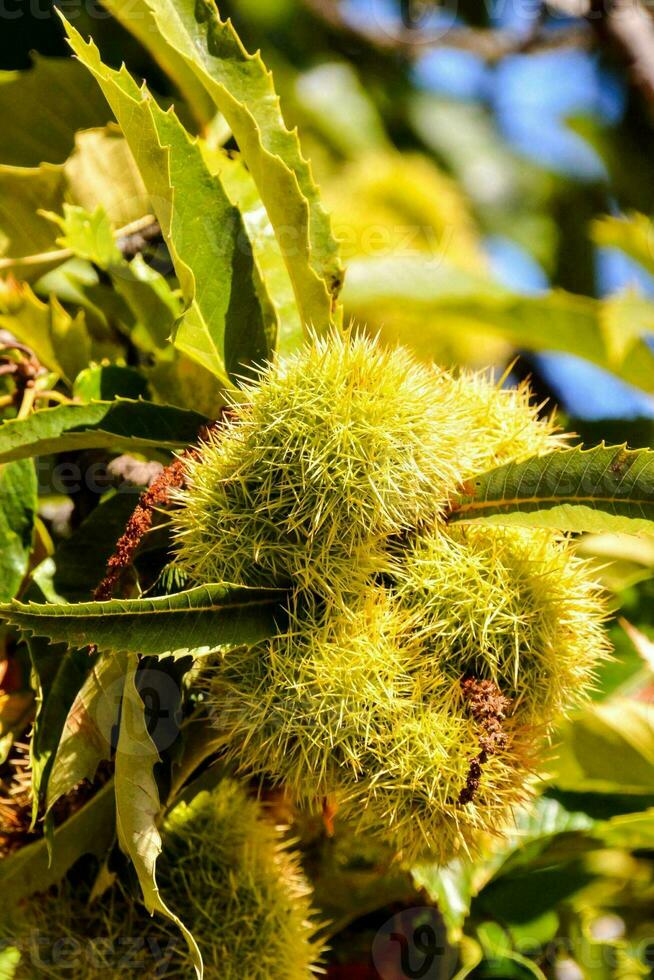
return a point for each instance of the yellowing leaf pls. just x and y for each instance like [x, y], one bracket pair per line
[138, 805]
[633, 235]
[61, 342]
[441, 297]
[23, 231]
[102, 171]
[644, 646]
[87, 735]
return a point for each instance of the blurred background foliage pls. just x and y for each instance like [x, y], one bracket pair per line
[490, 172]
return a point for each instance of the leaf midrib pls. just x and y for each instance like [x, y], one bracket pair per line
[519, 501]
[35, 609]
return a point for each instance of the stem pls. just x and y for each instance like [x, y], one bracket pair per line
[55, 396]
[27, 403]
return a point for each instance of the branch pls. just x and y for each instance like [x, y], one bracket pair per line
[490, 44]
[627, 26]
[624, 25]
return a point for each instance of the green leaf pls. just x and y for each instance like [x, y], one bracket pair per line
[175, 379]
[625, 318]
[59, 674]
[607, 748]
[539, 828]
[137, 18]
[498, 950]
[242, 192]
[451, 887]
[100, 172]
[87, 235]
[243, 91]
[442, 298]
[225, 324]
[147, 319]
[546, 833]
[18, 501]
[632, 831]
[155, 307]
[109, 381]
[138, 805]
[638, 432]
[121, 424]
[9, 962]
[206, 617]
[200, 739]
[90, 830]
[601, 489]
[55, 102]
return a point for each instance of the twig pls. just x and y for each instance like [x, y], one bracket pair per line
[134, 242]
[24, 371]
[140, 226]
[490, 44]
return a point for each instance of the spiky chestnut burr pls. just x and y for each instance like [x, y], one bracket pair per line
[420, 707]
[334, 449]
[240, 888]
[225, 871]
[418, 698]
[512, 605]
